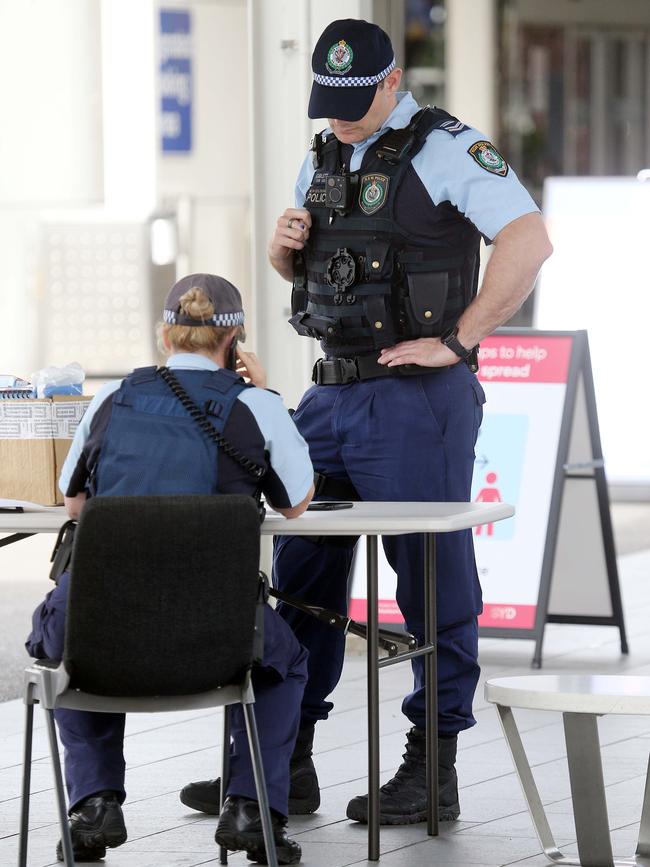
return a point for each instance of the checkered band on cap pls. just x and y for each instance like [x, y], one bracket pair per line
[226, 320]
[352, 81]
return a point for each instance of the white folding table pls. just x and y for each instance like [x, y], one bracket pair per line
[370, 520]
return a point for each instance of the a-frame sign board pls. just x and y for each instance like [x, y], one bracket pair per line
[557, 562]
[539, 449]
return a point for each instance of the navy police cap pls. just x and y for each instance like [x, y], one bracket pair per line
[225, 298]
[349, 60]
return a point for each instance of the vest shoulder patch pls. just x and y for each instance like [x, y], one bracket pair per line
[488, 157]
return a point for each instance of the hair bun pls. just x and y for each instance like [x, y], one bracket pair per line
[196, 304]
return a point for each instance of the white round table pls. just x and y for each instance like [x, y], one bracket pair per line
[581, 699]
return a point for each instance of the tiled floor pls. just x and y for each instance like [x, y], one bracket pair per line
[166, 751]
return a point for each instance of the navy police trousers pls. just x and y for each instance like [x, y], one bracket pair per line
[395, 438]
[94, 758]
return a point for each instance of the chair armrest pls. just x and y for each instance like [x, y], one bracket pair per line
[44, 681]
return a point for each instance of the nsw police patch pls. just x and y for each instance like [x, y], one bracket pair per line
[339, 58]
[488, 158]
[373, 192]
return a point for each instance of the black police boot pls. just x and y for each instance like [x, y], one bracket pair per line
[304, 794]
[203, 796]
[240, 827]
[403, 800]
[96, 823]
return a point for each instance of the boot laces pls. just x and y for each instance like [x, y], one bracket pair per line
[411, 773]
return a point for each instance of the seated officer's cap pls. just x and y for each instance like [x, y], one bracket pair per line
[349, 60]
[225, 298]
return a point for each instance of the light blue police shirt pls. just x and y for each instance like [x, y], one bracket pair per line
[287, 450]
[449, 174]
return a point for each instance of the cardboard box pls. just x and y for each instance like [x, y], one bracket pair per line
[35, 437]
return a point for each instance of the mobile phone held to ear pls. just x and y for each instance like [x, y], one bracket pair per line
[231, 359]
[328, 507]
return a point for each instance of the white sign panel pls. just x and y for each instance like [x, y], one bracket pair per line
[598, 279]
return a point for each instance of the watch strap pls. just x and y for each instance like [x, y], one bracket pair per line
[451, 341]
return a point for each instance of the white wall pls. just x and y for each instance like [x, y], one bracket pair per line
[129, 107]
[50, 146]
[471, 63]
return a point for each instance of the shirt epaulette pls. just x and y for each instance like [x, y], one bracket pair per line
[448, 123]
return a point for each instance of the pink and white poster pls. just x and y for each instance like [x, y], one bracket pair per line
[525, 379]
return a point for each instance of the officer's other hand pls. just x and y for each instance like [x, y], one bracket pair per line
[425, 351]
[74, 505]
[250, 367]
[291, 233]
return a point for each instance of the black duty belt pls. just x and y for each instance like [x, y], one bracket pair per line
[338, 371]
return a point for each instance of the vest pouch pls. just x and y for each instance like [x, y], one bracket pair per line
[425, 302]
[379, 264]
[310, 325]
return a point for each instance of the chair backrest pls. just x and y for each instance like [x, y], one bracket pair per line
[163, 593]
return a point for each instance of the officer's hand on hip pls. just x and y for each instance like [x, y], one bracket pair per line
[425, 351]
[291, 232]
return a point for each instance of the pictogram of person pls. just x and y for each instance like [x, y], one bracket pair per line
[488, 495]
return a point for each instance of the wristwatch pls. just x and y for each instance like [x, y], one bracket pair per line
[451, 341]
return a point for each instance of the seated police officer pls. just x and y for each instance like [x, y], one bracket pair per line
[203, 319]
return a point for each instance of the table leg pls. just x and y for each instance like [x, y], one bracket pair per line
[643, 847]
[431, 683]
[588, 789]
[527, 780]
[372, 619]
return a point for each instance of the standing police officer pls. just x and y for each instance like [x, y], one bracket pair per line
[138, 437]
[383, 251]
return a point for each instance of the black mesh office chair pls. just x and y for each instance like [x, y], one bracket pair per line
[163, 615]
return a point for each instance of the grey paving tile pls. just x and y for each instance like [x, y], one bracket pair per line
[456, 850]
[521, 825]
[623, 845]
[494, 799]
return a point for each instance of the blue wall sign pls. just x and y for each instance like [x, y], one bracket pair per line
[175, 81]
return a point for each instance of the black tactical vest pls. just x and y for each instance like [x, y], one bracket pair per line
[391, 266]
